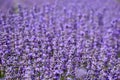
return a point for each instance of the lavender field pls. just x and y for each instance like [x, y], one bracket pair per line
[60, 40]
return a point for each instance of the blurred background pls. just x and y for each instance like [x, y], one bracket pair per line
[6, 4]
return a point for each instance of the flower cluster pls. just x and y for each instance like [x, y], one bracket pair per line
[52, 42]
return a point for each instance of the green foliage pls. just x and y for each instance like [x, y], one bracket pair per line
[2, 74]
[15, 9]
[38, 73]
[62, 78]
[70, 76]
[118, 54]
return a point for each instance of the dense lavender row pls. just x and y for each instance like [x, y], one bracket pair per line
[56, 43]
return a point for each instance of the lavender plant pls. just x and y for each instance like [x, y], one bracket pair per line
[56, 42]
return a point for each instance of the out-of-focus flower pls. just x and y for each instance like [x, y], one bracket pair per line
[80, 72]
